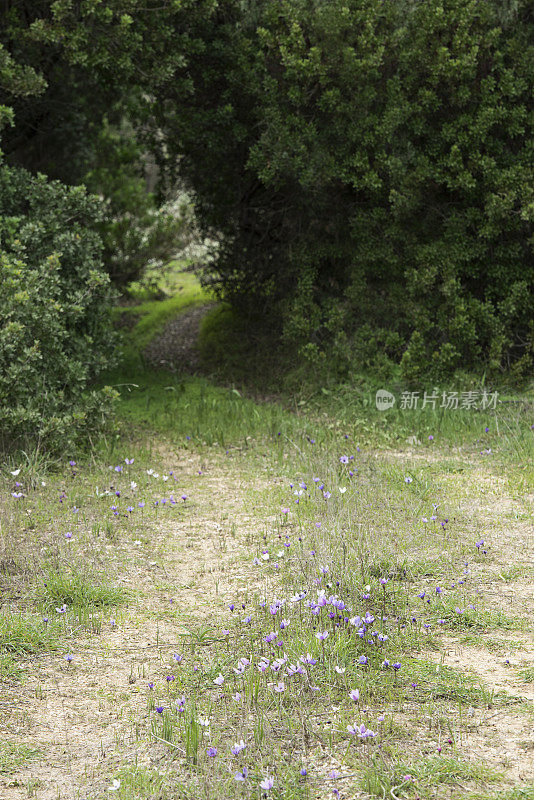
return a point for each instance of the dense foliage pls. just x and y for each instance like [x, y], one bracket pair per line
[369, 165]
[366, 167]
[84, 123]
[55, 333]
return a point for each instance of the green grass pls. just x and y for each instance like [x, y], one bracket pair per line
[78, 591]
[13, 757]
[21, 634]
[407, 779]
[527, 674]
[193, 407]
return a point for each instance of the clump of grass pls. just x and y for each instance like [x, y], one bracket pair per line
[526, 674]
[409, 779]
[15, 756]
[79, 591]
[20, 635]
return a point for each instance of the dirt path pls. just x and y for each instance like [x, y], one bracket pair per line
[183, 571]
[82, 717]
[175, 347]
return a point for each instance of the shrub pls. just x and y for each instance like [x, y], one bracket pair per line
[369, 166]
[55, 331]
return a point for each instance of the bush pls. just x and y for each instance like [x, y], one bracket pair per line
[55, 331]
[369, 167]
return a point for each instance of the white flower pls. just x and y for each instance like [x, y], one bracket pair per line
[342, 489]
[16, 472]
[115, 785]
[133, 485]
[204, 721]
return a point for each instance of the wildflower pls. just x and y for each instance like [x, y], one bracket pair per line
[408, 479]
[178, 658]
[354, 694]
[116, 783]
[204, 722]
[267, 784]
[211, 752]
[284, 624]
[68, 658]
[238, 748]
[322, 636]
[219, 680]
[159, 709]
[363, 660]
[362, 732]
[303, 772]
[241, 776]
[340, 670]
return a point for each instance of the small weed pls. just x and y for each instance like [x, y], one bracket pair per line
[526, 674]
[15, 756]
